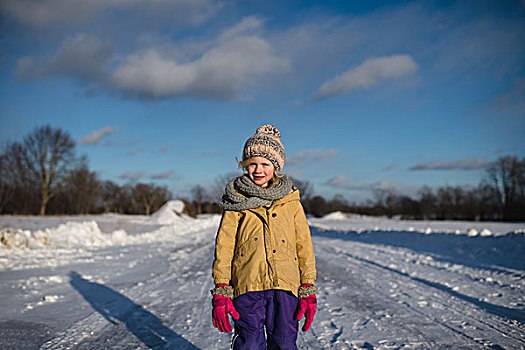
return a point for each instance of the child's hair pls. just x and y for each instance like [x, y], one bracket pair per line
[244, 164]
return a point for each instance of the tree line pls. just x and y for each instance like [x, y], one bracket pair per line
[42, 175]
[499, 196]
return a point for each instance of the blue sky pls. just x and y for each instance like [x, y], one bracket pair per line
[367, 94]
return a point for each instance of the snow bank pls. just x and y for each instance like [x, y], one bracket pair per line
[74, 234]
[337, 215]
[174, 227]
[344, 222]
[170, 213]
[14, 238]
[68, 235]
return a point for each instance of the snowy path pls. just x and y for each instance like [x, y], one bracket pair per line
[389, 298]
[371, 297]
[378, 290]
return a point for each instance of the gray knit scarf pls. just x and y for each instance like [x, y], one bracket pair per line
[242, 193]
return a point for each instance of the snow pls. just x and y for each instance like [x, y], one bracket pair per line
[139, 282]
[170, 213]
[359, 223]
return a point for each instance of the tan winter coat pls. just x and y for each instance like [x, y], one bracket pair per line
[260, 249]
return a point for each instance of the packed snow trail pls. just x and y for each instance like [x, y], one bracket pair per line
[371, 296]
[385, 304]
[147, 287]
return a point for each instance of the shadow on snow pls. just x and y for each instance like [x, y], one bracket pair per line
[479, 252]
[114, 306]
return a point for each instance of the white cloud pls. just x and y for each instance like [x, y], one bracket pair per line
[462, 164]
[83, 57]
[247, 26]
[231, 62]
[162, 175]
[371, 72]
[42, 13]
[94, 137]
[220, 73]
[309, 155]
[132, 175]
[45, 12]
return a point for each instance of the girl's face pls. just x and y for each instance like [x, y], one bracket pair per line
[260, 170]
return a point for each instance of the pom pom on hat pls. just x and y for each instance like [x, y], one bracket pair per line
[269, 130]
[266, 143]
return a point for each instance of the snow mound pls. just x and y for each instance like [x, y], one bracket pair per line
[14, 238]
[74, 234]
[336, 215]
[170, 213]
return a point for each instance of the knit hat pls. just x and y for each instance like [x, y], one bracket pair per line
[266, 143]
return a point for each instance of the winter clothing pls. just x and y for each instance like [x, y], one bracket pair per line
[264, 252]
[307, 305]
[265, 248]
[307, 289]
[270, 309]
[266, 143]
[222, 306]
[242, 193]
[222, 289]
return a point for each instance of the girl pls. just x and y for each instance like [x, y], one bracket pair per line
[264, 258]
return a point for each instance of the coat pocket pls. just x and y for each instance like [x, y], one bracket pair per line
[245, 262]
[284, 242]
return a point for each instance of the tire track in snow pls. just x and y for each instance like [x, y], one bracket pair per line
[179, 300]
[340, 253]
[511, 317]
[356, 314]
[359, 307]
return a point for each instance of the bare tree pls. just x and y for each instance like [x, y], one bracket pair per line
[46, 157]
[147, 198]
[15, 175]
[507, 177]
[200, 196]
[7, 188]
[109, 196]
[83, 190]
[488, 203]
[384, 201]
[427, 202]
[319, 206]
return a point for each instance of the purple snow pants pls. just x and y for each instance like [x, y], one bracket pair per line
[270, 309]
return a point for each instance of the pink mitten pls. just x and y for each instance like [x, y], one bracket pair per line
[307, 305]
[222, 306]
